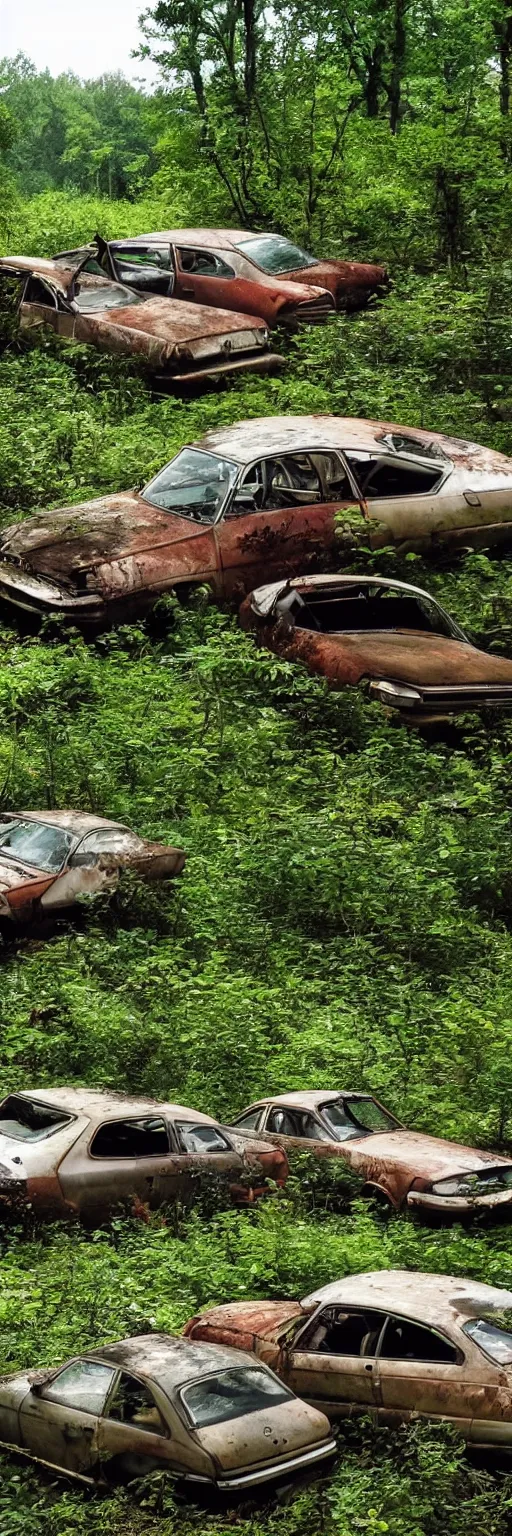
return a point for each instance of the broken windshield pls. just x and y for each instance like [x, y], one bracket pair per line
[275, 254]
[356, 1116]
[232, 1394]
[194, 484]
[26, 1120]
[35, 842]
[105, 296]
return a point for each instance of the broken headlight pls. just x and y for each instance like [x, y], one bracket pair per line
[473, 1185]
[398, 694]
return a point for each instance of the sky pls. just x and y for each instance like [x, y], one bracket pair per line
[90, 39]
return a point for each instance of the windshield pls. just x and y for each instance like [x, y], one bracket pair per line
[495, 1342]
[90, 300]
[194, 484]
[34, 842]
[274, 254]
[351, 1117]
[28, 1121]
[232, 1394]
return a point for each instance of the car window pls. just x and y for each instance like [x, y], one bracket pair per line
[34, 842]
[88, 300]
[494, 1341]
[275, 254]
[351, 1117]
[37, 292]
[109, 840]
[353, 609]
[343, 1331]
[385, 477]
[144, 256]
[299, 479]
[231, 1394]
[26, 1120]
[204, 263]
[405, 1340]
[250, 1121]
[146, 1137]
[134, 1404]
[84, 1385]
[295, 1122]
[200, 1138]
[193, 485]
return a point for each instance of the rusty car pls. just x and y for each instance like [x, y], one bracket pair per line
[261, 274]
[390, 638]
[395, 1344]
[177, 342]
[83, 1152]
[259, 499]
[403, 1168]
[207, 1415]
[49, 859]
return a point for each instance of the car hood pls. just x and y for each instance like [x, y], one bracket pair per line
[59, 543]
[362, 274]
[177, 322]
[13, 873]
[268, 1435]
[425, 1156]
[412, 657]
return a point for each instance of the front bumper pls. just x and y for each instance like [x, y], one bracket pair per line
[277, 1469]
[266, 362]
[443, 700]
[29, 593]
[457, 1205]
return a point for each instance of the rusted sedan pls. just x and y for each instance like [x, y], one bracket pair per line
[386, 636]
[177, 342]
[84, 1152]
[261, 274]
[396, 1344]
[207, 1415]
[49, 859]
[256, 500]
[404, 1168]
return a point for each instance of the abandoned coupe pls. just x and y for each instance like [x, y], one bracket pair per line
[395, 1343]
[401, 1167]
[83, 1152]
[203, 1413]
[177, 342]
[387, 636]
[260, 274]
[258, 500]
[49, 859]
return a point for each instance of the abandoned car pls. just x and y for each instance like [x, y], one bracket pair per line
[396, 1344]
[203, 1413]
[401, 1167]
[258, 500]
[260, 274]
[177, 342]
[387, 636]
[49, 859]
[83, 1152]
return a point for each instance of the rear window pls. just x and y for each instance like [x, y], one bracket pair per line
[401, 443]
[27, 1120]
[231, 1395]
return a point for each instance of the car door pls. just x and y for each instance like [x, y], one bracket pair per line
[59, 1421]
[297, 1129]
[421, 1370]
[149, 268]
[43, 305]
[207, 277]
[281, 518]
[419, 504]
[129, 1160]
[332, 1361]
[133, 1433]
[204, 1152]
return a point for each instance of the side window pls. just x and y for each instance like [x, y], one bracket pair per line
[134, 1404]
[200, 1138]
[299, 479]
[338, 1331]
[249, 1122]
[131, 1138]
[311, 1128]
[82, 1385]
[204, 264]
[37, 292]
[404, 1340]
[282, 1122]
[112, 840]
[141, 256]
[381, 477]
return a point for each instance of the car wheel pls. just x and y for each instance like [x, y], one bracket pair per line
[378, 1198]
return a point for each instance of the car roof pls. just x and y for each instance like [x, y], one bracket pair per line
[244, 441]
[429, 1298]
[276, 589]
[77, 822]
[313, 1097]
[169, 1359]
[105, 1104]
[57, 271]
[200, 237]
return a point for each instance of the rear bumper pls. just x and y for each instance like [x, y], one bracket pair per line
[277, 1469]
[266, 362]
[441, 701]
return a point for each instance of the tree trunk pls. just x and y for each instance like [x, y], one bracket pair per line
[397, 66]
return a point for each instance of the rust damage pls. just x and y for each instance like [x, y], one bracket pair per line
[49, 859]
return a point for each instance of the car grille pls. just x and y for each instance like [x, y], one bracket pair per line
[317, 309]
[496, 695]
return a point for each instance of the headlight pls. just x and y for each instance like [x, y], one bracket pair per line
[475, 1184]
[396, 693]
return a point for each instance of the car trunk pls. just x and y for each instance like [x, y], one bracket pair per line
[266, 1437]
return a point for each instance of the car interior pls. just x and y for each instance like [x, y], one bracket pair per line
[341, 1332]
[385, 477]
[354, 609]
[288, 480]
[131, 1138]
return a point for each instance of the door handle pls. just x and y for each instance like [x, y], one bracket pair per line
[472, 499]
[188, 293]
[78, 1431]
[368, 1367]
